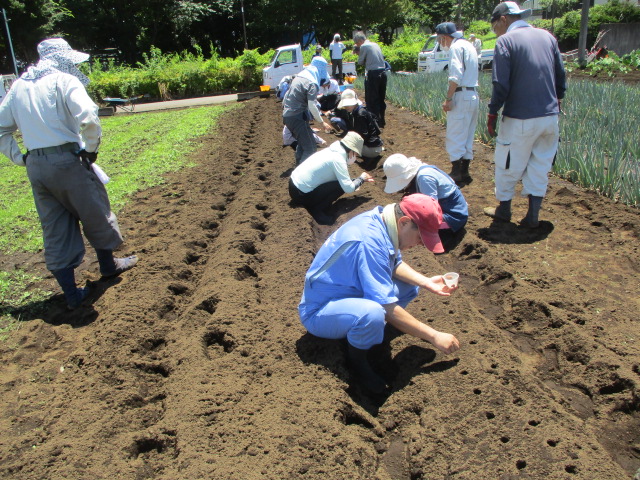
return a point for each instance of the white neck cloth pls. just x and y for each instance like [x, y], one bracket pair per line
[389, 217]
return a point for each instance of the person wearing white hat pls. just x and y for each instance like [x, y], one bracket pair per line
[529, 82]
[352, 116]
[61, 130]
[414, 176]
[462, 100]
[324, 177]
[476, 42]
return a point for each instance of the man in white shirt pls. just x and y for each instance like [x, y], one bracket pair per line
[61, 130]
[476, 42]
[462, 101]
[336, 49]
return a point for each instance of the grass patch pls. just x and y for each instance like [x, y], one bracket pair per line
[136, 151]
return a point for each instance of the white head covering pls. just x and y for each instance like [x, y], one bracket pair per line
[399, 170]
[56, 56]
[348, 98]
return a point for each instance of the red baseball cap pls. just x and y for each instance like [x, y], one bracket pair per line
[426, 213]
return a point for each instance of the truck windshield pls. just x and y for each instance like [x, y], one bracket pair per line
[431, 41]
[284, 56]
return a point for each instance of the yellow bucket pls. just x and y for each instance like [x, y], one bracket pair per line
[265, 88]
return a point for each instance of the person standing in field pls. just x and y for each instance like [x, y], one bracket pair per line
[61, 130]
[375, 79]
[462, 101]
[299, 101]
[476, 42]
[529, 82]
[336, 49]
[358, 282]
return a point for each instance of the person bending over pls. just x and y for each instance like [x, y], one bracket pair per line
[324, 177]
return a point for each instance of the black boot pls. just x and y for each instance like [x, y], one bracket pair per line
[456, 171]
[466, 177]
[502, 212]
[364, 374]
[67, 280]
[111, 266]
[531, 220]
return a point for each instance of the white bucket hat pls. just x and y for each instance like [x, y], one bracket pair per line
[348, 98]
[353, 141]
[399, 170]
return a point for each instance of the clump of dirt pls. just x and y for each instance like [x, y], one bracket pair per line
[195, 365]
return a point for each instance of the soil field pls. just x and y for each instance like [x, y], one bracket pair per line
[194, 365]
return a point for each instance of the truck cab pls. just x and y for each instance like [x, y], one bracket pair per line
[433, 59]
[287, 61]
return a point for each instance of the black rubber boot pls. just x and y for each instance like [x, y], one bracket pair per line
[501, 212]
[111, 266]
[456, 171]
[531, 219]
[67, 280]
[466, 176]
[364, 374]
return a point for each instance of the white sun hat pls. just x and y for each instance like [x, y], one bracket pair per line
[399, 170]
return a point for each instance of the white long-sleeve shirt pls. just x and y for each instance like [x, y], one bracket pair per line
[463, 64]
[50, 111]
[325, 166]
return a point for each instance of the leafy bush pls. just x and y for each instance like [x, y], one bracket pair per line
[567, 28]
[177, 75]
[479, 27]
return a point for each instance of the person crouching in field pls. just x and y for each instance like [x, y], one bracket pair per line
[324, 177]
[357, 282]
[414, 176]
[351, 116]
[61, 130]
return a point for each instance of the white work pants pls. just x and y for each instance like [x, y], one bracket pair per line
[462, 120]
[525, 150]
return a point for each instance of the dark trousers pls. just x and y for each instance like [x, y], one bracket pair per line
[328, 102]
[318, 199]
[375, 92]
[336, 64]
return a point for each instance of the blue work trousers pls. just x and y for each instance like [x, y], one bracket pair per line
[359, 320]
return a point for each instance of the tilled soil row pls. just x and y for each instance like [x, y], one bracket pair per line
[195, 365]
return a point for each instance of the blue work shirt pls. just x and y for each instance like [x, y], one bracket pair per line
[432, 181]
[361, 261]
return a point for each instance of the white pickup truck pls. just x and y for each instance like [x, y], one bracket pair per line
[433, 59]
[288, 61]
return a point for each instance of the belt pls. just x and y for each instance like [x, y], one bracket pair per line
[376, 70]
[471, 89]
[65, 147]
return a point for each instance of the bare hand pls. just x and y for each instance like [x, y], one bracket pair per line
[327, 127]
[436, 285]
[445, 342]
[367, 177]
[446, 106]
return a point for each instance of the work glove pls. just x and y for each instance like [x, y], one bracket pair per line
[492, 121]
[89, 157]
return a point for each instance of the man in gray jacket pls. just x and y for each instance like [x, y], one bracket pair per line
[61, 130]
[529, 82]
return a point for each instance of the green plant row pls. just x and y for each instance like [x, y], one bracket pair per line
[599, 146]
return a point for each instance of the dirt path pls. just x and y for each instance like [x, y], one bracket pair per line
[194, 364]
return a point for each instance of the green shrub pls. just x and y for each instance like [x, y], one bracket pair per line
[479, 28]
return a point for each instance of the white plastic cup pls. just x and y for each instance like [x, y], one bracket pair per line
[451, 279]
